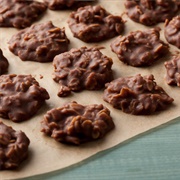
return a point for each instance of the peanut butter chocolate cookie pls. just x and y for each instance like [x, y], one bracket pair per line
[3, 63]
[136, 95]
[21, 97]
[74, 123]
[83, 68]
[40, 42]
[13, 147]
[94, 24]
[172, 31]
[64, 4]
[20, 13]
[140, 48]
[173, 70]
[151, 12]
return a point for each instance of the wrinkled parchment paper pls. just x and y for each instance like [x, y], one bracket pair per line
[45, 154]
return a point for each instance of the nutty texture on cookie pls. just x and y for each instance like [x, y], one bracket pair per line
[140, 48]
[3, 63]
[64, 4]
[40, 42]
[13, 147]
[151, 12]
[94, 24]
[173, 70]
[75, 124]
[136, 95]
[172, 31]
[83, 68]
[21, 97]
[20, 13]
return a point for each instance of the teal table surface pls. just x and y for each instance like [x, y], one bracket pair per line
[152, 155]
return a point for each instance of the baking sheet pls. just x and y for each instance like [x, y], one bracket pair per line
[45, 154]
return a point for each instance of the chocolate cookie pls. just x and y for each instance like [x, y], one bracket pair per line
[136, 95]
[40, 42]
[74, 123]
[21, 97]
[13, 147]
[84, 68]
[94, 24]
[172, 31]
[20, 13]
[140, 48]
[173, 70]
[3, 63]
[177, 2]
[64, 4]
[150, 12]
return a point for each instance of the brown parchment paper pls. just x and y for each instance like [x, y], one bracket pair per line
[45, 154]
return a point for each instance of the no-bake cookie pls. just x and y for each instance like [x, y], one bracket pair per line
[177, 2]
[13, 147]
[21, 97]
[94, 24]
[151, 12]
[3, 63]
[173, 70]
[64, 4]
[20, 13]
[140, 48]
[40, 42]
[136, 95]
[172, 31]
[83, 68]
[74, 123]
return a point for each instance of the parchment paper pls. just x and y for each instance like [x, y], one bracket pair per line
[45, 154]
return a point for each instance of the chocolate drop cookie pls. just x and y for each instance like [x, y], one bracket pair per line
[172, 31]
[83, 68]
[64, 4]
[136, 95]
[20, 13]
[75, 124]
[21, 97]
[151, 12]
[140, 48]
[173, 70]
[13, 147]
[4, 64]
[40, 42]
[94, 24]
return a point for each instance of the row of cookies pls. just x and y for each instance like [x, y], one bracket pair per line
[135, 95]
[22, 96]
